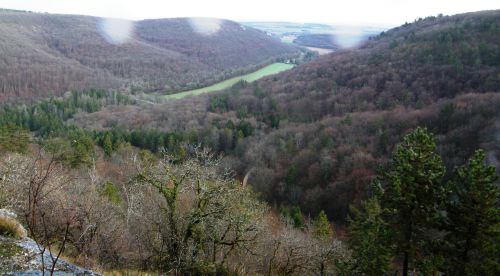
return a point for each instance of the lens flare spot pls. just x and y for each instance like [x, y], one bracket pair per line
[205, 26]
[116, 31]
[348, 36]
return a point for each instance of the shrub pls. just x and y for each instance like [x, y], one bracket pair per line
[10, 227]
[111, 192]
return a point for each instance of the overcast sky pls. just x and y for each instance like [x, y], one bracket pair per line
[377, 12]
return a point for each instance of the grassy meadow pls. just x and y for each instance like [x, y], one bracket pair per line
[268, 70]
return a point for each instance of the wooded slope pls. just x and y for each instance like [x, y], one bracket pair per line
[46, 54]
[315, 135]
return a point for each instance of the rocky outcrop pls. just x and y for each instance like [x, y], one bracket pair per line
[22, 256]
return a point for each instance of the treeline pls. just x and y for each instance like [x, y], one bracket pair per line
[156, 140]
[49, 119]
[46, 120]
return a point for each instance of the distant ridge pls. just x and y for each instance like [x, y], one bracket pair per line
[45, 54]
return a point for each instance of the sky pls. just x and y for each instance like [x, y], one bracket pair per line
[357, 12]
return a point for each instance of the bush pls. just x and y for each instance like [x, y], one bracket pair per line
[111, 192]
[10, 227]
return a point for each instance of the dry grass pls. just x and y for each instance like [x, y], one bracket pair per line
[10, 227]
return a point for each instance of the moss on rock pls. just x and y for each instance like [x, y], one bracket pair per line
[9, 249]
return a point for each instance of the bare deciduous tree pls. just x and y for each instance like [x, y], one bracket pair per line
[207, 216]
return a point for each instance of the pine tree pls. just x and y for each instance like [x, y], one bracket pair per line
[13, 138]
[412, 194]
[367, 233]
[474, 220]
[111, 192]
[322, 229]
[107, 145]
[82, 148]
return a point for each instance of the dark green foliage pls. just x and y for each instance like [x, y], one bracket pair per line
[273, 120]
[294, 214]
[75, 149]
[111, 192]
[13, 138]
[245, 127]
[291, 182]
[46, 118]
[82, 148]
[219, 103]
[107, 144]
[434, 227]
[291, 176]
[446, 117]
[367, 237]
[412, 196]
[473, 237]
[147, 157]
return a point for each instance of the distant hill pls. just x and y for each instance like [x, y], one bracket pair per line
[47, 54]
[317, 35]
[315, 136]
[324, 41]
[341, 114]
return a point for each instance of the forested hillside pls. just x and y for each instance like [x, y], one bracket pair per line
[316, 135]
[368, 161]
[45, 54]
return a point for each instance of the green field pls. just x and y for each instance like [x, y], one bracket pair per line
[268, 70]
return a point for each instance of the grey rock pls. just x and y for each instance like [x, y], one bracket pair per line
[23, 257]
[7, 213]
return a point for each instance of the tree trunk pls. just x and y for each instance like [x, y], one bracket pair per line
[408, 237]
[405, 264]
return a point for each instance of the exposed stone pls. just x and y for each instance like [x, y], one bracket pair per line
[8, 213]
[23, 256]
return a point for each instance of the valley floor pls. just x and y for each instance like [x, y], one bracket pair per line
[250, 77]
